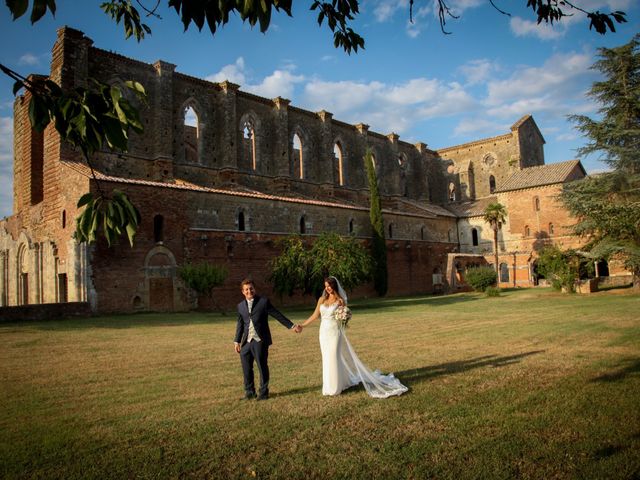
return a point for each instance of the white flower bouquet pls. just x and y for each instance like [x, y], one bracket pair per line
[342, 314]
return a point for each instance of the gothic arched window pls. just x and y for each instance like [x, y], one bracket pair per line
[241, 225]
[337, 154]
[158, 228]
[249, 143]
[191, 136]
[298, 160]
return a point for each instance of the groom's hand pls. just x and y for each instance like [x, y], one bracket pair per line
[236, 345]
[297, 328]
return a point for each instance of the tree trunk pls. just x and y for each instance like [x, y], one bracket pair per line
[495, 250]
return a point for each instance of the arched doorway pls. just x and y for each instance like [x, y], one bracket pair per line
[602, 268]
[160, 268]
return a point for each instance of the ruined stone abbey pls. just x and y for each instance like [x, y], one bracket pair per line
[246, 171]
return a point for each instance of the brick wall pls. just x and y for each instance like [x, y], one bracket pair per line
[45, 311]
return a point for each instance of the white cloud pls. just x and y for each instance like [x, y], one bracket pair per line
[388, 107]
[29, 59]
[233, 73]
[6, 166]
[473, 126]
[384, 10]
[459, 6]
[549, 91]
[562, 76]
[477, 71]
[566, 137]
[280, 83]
[544, 31]
[421, 18]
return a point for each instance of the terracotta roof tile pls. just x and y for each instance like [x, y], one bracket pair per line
[543, 175]
[472, 208]
[420, 211]
[183, 185]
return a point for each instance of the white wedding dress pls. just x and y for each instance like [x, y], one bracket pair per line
[341, 367]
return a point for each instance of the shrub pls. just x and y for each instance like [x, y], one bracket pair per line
[563, 267]
[479, 278]
[302, 267]
[492, 292]
[202, 277]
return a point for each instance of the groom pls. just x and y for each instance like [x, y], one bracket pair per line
[253, 337]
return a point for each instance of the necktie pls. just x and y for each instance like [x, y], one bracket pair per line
[253, 335]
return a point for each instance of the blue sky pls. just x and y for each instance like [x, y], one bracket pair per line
[411, 79]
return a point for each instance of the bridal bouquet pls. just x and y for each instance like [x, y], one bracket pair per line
[342, 314]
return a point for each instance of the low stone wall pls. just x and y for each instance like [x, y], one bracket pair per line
[615, 281]
[45, 311]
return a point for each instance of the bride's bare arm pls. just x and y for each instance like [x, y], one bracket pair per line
[314, 315]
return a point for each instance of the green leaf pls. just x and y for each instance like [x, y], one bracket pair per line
[136, 87]
[131, 232]
[17, 7]
[38, 10]
[114, 134]
[38, 113]
[85, 199]
[17, 86]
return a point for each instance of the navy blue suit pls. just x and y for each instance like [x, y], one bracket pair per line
[256, 351]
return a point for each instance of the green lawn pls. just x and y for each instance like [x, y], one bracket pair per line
[533, 384]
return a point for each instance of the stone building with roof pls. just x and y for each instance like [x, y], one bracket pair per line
[220, 175]
[535, 218]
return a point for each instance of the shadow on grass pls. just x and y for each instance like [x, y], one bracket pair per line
[611, 450]
[136, 320]
[418, 375]
[434, 301]
[296, 391]
[630, 366]
[163, 319]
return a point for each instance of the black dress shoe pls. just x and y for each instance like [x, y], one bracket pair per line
[248, 396]
[263, 397]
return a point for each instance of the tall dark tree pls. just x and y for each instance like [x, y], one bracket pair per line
[379, 244]
[607, 206]
[616, 134]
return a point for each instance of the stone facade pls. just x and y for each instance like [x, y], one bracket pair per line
[221, 175]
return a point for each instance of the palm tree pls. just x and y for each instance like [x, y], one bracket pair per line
[495, 215]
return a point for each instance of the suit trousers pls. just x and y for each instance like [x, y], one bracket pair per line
[258, 352]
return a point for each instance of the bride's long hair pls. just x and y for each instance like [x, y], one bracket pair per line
[333, 283]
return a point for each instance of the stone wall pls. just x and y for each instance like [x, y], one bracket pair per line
[45, 311]
[473, 165]
[203, 226]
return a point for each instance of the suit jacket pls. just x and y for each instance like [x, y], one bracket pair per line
[260, 312]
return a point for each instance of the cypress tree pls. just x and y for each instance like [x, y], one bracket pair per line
[379, 246]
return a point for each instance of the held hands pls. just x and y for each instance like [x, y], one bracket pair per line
[297, 328]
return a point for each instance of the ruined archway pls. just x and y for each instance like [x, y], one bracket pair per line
[159, 273]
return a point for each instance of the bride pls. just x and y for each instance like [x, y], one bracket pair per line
[341, 367]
